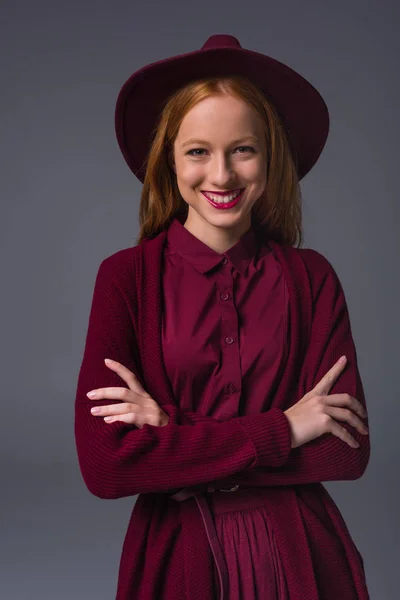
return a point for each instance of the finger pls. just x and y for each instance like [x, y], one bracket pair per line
[133, 418]
[111, 393]
[112, 409]
[343, 434]
[129, 418]
[325, 384]
[128, 376]
[347, 400]
[344, 414]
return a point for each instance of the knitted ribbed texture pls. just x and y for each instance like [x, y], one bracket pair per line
[166, 553]
[270, 434]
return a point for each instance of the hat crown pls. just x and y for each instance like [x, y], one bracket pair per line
[221, 40]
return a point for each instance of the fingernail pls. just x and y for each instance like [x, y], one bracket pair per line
[342, 359]
[108, 361]
[95, 410]
[91, 394]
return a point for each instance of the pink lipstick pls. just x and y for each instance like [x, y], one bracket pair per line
[223, 205]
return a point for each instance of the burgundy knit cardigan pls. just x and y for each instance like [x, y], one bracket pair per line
[166, 554]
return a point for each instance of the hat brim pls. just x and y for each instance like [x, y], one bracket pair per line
[143, 96]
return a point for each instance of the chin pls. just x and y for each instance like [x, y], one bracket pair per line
[226, 219]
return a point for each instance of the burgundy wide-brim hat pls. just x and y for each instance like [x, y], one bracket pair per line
[144, 95]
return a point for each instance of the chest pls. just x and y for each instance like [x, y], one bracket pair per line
[224, 337]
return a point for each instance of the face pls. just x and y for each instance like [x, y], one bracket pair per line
[220, 147]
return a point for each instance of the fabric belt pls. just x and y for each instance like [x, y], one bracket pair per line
[198, 494]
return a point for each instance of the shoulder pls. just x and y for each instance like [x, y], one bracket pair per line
[311, 266]
[126, 265]
[314, 262]
[317, 264]
[323, 277]
[120, 260]
[117, 269]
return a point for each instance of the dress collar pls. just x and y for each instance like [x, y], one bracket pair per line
[202, 257]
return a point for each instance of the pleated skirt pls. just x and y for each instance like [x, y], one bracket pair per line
[248, 542]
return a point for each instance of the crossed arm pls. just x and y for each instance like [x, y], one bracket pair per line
[117, 460]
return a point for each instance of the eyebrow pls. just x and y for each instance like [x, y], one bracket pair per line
[242, 139]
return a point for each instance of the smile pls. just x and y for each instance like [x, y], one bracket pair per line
[222, 200]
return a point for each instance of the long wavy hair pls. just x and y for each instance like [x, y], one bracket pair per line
[276, 214]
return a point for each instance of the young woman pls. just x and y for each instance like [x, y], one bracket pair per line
[224, 405]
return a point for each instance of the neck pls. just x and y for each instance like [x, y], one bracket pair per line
[219, 239]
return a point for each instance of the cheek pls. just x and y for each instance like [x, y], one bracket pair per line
[190, 174]
[255, 171]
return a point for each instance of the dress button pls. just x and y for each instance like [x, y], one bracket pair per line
[229, 340]
[231, 388]
[225, 296]
[224, 260]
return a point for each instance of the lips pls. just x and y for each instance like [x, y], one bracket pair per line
[223, 193]
[224, 205]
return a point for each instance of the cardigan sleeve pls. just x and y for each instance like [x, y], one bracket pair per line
[120, 459]
[326, 458]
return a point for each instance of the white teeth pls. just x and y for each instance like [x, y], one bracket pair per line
[223, 199]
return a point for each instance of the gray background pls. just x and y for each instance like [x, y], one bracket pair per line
[68, 200]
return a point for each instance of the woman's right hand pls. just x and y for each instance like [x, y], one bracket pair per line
[317, 413]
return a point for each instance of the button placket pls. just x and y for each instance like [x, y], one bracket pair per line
[231, 366]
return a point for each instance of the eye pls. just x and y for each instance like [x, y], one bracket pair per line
[195, 150]
[202, 150]
[247, 148]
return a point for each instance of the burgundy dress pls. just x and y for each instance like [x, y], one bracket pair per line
[224, 340]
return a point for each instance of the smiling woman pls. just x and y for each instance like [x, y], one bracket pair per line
[226, 336]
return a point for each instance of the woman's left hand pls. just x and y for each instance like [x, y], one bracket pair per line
[138, 407]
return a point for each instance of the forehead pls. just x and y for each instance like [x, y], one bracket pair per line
[220, 115]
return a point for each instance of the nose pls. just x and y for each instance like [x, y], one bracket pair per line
[221, 172]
